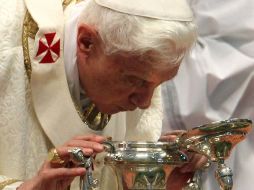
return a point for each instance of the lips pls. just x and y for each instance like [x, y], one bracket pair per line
[120, 109]
[127, 108]
[132, 109]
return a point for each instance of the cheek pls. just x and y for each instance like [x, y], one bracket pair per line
[107, 87]
[116, 90]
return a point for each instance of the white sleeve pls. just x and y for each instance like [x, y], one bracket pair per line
[13, 186]
[7, 183]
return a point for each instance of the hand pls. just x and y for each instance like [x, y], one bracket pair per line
[180, 175]
[178, 180]
[53, 176]
[196, 161]
[171, 136]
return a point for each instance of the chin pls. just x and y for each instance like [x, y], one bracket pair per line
[114, 112]
[108, 110]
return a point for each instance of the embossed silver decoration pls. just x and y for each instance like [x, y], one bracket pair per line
[195, 182]
[143, 165]
[77, 157]
[216, 141]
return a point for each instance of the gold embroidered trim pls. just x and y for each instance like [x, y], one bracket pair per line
[94, 119]
[66, 3]
[7, 182]
[30, 29]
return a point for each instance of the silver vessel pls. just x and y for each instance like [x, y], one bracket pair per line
[147, 165]
[143, 165]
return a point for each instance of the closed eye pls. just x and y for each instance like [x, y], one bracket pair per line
[135, 81]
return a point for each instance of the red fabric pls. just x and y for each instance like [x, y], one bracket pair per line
[49, 48]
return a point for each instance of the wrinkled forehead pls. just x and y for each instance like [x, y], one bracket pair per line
[163, 73]
[150, 59]
[146, 66]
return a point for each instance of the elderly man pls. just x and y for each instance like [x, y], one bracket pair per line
[66, 67]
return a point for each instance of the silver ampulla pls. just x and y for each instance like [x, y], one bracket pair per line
[147, 165]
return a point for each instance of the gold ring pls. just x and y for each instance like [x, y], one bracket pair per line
[54, 157]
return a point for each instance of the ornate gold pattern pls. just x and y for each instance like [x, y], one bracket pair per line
[30, 29]
[7, 182]
[94, 119]
[66, 3]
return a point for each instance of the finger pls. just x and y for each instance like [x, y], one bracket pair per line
[91, 137]
[45, 165]
[61, 173]
[201, 162]
[177, 180]
[95, 146]
[65, 182]
[87, 147]
[196, 162]
[186, 168]
[175, 132]
[168, 138]
[65, 154]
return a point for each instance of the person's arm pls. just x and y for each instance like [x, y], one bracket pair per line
[56, 175]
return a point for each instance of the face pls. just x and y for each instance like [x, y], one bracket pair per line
[119, 83]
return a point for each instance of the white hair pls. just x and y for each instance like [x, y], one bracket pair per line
[135, 35]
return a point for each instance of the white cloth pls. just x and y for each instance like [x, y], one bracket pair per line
[216, 81]
[70, 57]
[23, 144]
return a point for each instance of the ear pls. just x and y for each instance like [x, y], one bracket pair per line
[86, 38]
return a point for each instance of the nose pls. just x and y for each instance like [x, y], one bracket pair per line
[142, 98]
